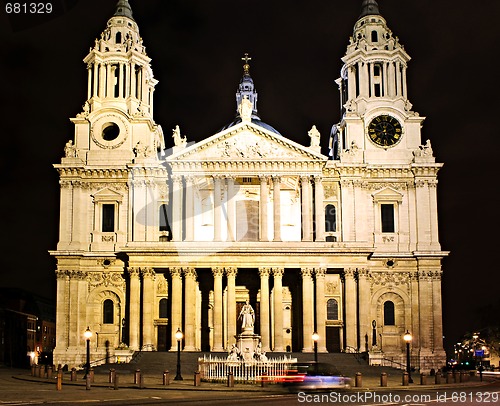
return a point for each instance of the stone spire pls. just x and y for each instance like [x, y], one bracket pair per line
[369, 7]
[246, 89]
[123, 9]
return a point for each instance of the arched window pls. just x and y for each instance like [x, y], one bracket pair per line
[108, 312]
[330, 218]
[163, 309]
[389, 317]
[118, 38]
[374, 36]
[332, 309]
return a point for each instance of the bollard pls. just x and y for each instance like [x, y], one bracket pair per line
[59, 379]
[461, 377]
[383, 379]
[406, 379]
[423, 379]
[230, 380]
[91, 373]
[41, 371]
[197, 378]
[33, 367]
[449, 377]
[437, 378]
[115, 382]
[112, 375]
[456, 376]
[263, 381]
[166, 377]
[358, 380]
[137, 376]
[87, 382]
[49, 371]
[73, 374]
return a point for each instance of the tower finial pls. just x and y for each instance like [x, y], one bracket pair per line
[369, 7]
[246, 66]
[123, 9]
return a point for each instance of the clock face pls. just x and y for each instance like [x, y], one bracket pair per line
[385, 130]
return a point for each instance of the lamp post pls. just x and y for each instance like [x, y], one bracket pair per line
[87, 335]
[315, 338]
[408, 337]
[178, 336]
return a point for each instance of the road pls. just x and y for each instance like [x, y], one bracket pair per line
[14, 391]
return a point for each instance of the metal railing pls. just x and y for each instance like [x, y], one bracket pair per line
[215, 369]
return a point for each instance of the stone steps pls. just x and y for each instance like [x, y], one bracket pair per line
[157, 362]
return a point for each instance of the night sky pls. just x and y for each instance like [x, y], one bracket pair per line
[196, 48]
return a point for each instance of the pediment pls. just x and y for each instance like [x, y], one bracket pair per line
[246, 142]
[107, 195]
[387, 194]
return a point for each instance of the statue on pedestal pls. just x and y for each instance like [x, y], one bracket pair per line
[247, 316]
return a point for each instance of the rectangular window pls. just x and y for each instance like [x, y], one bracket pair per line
[163, 218]
[387, 217]
[108, 218]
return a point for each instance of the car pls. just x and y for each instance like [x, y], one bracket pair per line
[313, 376]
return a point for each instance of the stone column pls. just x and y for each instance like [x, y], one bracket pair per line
[176, 304]
[190, 208]
[306, 209]
[364, 305]
[319, 208]
[190, 309]
[177, 208]
[320, 308]
[121, 81]
[148, 294]
[102, 80]
[350, 308]
[109, 80]
[231, 303]
[89, 81]
[95, 89]
[62, 315]
[278, 309]
[277, 207]
[437, 311]
[264, 308]
[433, 212]
[135, 304]
[231, 209]
[264, 194]
[425, 300]
[217, 320]
[217, 208]
[307, 309]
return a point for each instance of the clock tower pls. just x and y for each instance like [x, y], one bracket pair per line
[377, 118]
[388, 195]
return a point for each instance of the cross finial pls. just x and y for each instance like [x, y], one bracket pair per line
[246, 66]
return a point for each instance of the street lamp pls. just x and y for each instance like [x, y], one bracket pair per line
[408, 337]
[315, 338]
[87, 335]
[178, 336]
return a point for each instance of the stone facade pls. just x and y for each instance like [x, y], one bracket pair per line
[155, 239]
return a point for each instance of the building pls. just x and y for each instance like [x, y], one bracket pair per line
[27, 328]
[156, 239]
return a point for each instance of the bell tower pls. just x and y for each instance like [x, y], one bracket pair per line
[377, 122]
[117, 119]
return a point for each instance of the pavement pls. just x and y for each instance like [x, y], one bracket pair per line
[127, 380]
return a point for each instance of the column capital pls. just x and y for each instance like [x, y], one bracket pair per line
[320, 272]
[349, 273]
[278, 272]
[231, 271]
[177, 178]
[264, 272]
[77, 275]
[264, 178]
[134, 272]
[305, 179]
[276, 179]
[148, 273]
[363, 273]
[217, 271]
[318, 178]
[189, 272]
[175, 272]
[306, 272]
[60, 274]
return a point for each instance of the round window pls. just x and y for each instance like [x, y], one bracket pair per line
[110, 132]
